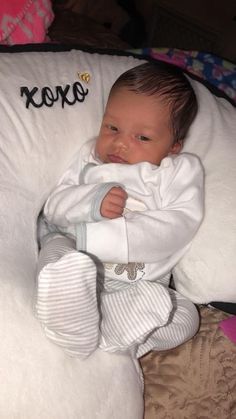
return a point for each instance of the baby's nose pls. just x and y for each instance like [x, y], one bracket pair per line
[122, 140]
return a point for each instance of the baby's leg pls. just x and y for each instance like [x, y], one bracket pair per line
[182, 325]
[66, 300]
[53, 247]
[130, 313]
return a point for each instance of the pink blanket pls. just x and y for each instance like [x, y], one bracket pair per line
[229, 328]
[24, 21]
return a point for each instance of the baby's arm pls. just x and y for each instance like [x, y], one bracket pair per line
[72, 204]
[73, 201]
[153, 236]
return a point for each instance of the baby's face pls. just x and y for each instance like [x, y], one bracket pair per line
[135, 128]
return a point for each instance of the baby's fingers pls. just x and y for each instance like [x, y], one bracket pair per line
[113, 203]
[117, 196]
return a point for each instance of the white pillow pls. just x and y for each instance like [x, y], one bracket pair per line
[36, 144]
[207, 272]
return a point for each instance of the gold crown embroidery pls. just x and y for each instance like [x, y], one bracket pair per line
[84, 77]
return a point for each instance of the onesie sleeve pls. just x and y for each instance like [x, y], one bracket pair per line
[71, 204]
[74, 201]
[157, 235]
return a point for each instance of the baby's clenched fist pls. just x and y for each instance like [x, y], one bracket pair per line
[113, 203]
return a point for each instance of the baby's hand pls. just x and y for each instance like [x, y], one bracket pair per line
[113, 203]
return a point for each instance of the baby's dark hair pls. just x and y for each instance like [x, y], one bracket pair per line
[170, 85]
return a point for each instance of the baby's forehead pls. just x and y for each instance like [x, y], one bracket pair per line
[131, 92]
[124, 99]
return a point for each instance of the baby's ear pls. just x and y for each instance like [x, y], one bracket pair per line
[176, 147]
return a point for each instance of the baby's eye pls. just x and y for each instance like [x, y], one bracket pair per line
[143, 138]
[112, 127]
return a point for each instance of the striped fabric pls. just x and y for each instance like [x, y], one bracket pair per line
[79, 313]
[66, 301]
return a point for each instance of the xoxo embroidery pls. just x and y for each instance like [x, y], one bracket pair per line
[47, 96]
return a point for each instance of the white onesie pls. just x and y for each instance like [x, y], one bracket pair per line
[163, 212]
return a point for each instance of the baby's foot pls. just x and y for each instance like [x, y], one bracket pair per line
[130, 314]
[67, 303]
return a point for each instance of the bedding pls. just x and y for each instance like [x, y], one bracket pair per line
[196, 380]
[216, 71]
[24, 21]
[201, 274]
[40, 103]
[48, 108]
[72, 28]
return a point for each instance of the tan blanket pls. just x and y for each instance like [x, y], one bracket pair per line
[196, 380]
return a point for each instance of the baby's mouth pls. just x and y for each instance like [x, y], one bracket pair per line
[114, 158]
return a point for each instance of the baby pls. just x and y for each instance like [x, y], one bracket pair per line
[121, 217]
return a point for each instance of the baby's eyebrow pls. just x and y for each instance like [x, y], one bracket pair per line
[109, 115]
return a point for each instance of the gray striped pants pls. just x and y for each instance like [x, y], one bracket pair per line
[79, 314]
